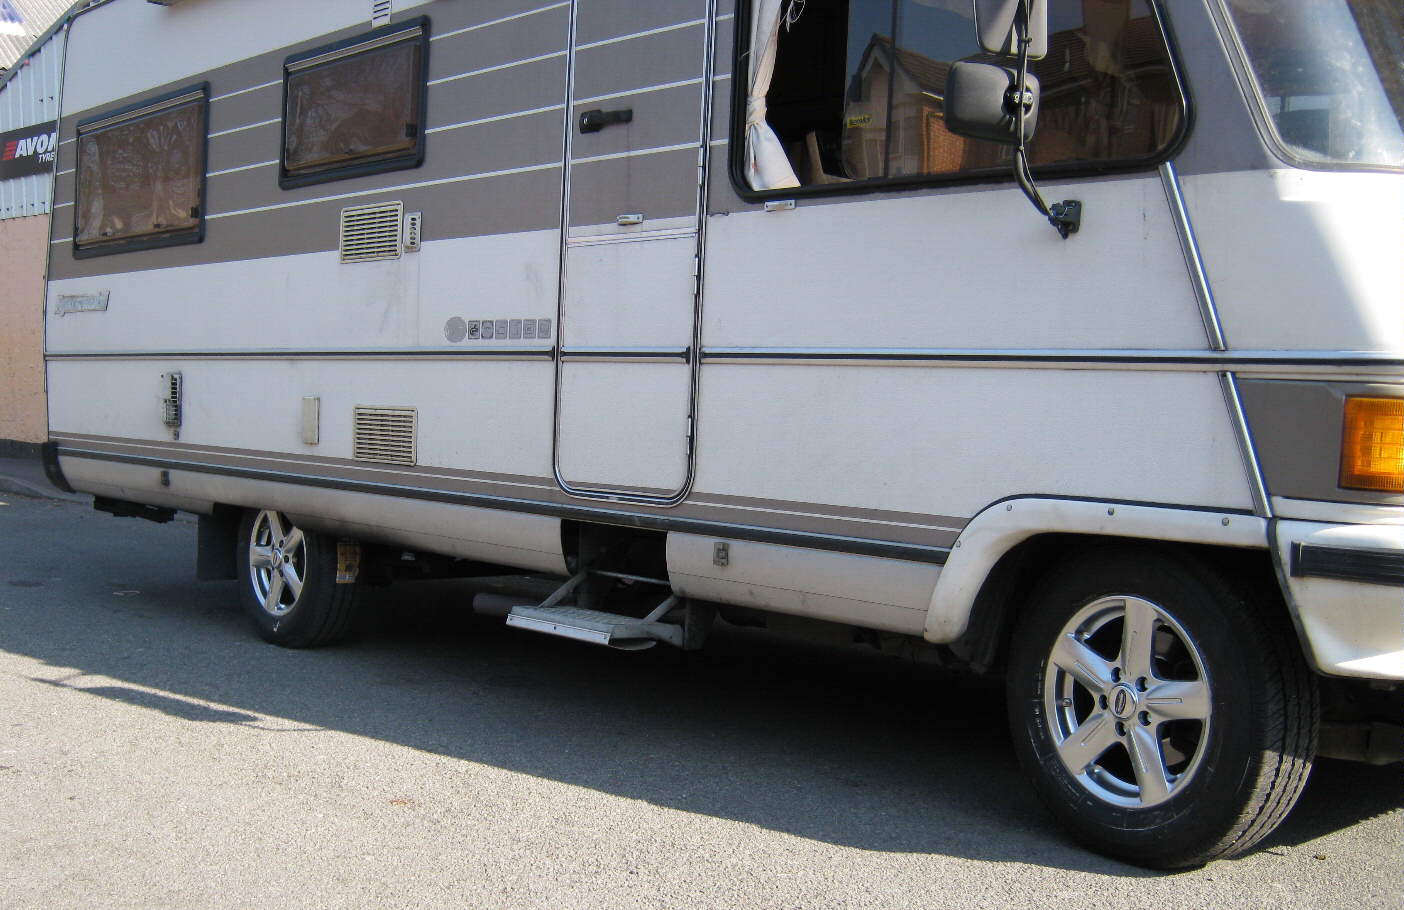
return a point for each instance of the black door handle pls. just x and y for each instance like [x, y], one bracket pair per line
[594, 121]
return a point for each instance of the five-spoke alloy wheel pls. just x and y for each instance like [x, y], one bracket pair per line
[1129, 701]
[290, 586]
[1161, 708]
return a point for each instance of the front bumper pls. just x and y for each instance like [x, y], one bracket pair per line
[1345, 588]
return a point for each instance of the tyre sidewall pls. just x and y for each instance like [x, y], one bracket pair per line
[1205, 811]
[299, 626]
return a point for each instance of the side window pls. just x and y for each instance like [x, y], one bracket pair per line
[356, 107]
[858, 86]
[141, 175]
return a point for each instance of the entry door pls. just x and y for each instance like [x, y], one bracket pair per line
[630, 249]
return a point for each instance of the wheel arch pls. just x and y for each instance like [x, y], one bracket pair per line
[1005, 549]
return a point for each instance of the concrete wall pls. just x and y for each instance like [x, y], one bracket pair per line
[23, 245]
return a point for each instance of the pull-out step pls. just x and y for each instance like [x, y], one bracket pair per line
[627, 633]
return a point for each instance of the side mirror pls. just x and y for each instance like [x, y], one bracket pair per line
[982, 100]
[995, 25]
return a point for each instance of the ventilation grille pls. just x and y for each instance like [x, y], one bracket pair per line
[370, 232]
[385, 435]
[380, 11]
[172, 387]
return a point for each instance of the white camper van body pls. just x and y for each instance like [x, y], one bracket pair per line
[848, 407]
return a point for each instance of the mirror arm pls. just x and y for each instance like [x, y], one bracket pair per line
[1065, 216]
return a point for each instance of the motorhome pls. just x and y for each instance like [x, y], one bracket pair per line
[1061, 341]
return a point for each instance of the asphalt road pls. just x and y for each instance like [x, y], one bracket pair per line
[154, 753]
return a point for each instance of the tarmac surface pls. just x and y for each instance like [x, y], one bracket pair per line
[155, 753]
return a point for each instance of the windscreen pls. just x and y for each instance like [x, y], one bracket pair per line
[1331, 74]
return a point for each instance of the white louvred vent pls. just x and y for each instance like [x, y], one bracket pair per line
[380, 11]
[385, 435]
[370, 232]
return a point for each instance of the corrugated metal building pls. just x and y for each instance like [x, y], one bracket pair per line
[29, 93]
[31, 52]
[35, 18]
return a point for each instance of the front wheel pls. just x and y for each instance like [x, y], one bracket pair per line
[1165, 718]
[291, 586]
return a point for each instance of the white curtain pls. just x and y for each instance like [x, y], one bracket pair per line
[767, 167]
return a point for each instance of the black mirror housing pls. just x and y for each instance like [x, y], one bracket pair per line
[980, 101]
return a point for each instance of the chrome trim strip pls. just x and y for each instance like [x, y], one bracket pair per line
[493, 69]
[247, 126]
[1206, 361]
[580, 512]
[503, 353]
[700, 214]
[626, 355]
[630, 237]
[636, 153]
[115, 119]
[1257, 486]
[648, 33]
[383, 41]
[494, 119]
[1194, 261]
[245, 91]
[662, 86]
[491, 22]
[1218, 343]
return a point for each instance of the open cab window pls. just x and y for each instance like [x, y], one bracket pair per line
[355, 107]
[857, 92]
[141, 175]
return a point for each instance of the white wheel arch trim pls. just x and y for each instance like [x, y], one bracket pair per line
[1004, 525]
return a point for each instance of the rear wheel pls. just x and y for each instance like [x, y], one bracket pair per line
[1166, 718]
[289, 583]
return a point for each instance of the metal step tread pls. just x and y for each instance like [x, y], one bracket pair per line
[577, 617]
[594, 626]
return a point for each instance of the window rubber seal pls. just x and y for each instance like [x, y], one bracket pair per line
[397, 162]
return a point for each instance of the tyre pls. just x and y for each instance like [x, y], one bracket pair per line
[288, 582]
[1165, 716]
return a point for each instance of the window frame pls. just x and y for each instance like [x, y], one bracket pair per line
[131, 113]
[1247, 77]
[336, 52]
[740, 90]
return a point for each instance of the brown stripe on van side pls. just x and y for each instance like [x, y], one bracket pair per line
[519, 39]
[487, 147]
[451, 15]
[599, 21]
[660, 185]
[722, 198]
[651, 60]
[661, 118]
[250, 146]
[520, 88]
[472, 208]
[255, 106]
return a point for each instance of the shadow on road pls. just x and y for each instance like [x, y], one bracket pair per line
[842, 746]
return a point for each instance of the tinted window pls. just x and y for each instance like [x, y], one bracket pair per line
[354, 110]
[140, 176]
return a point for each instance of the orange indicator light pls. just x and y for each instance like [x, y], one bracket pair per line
[1372, 445]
